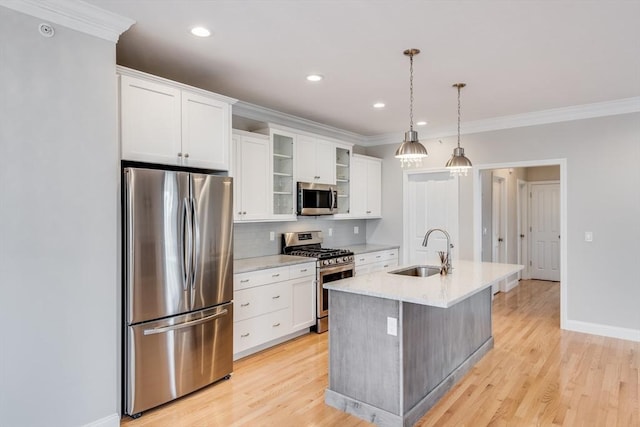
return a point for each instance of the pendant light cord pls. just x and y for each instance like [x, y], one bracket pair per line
[458, 116]
[411, 92]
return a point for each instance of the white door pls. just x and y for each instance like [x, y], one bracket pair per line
[432, 203]
[499, 223]
[545, 231]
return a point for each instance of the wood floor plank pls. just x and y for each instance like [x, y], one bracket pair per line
[536, 375]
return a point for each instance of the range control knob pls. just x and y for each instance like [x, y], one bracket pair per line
[325, 262]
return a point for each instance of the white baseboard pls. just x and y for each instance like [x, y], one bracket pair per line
[508, 286]
[603, 330]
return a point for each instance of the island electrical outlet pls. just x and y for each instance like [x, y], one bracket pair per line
[392, 326]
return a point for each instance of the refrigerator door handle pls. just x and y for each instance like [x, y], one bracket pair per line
[164, 329]
[187, 245]
[195, 244]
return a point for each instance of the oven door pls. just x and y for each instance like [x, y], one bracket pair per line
[327, 275]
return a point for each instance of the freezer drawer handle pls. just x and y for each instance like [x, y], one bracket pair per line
[164, 329]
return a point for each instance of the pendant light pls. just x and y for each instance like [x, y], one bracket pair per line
[459, 164]
[411, 152]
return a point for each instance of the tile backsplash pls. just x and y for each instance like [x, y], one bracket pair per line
[252, 239]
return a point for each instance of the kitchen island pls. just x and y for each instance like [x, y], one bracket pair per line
[398, 343]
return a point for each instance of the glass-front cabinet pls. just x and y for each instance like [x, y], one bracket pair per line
[284, 185]
[343, 175]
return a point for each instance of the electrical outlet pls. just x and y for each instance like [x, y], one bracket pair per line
[392, 326]
[356, 229]
[331, 232]
[588, 236]
[272, 235]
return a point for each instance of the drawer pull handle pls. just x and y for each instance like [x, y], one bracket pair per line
[361, 259]
[275, 275]
[245, 305]
[377, 256]
[276, 297]
[304, 270]
[244, 335]
[275, 325]
[385, 266]
[244, 280]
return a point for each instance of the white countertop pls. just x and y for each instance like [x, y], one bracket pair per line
[467, 278]
[245, 265]
[366, 247]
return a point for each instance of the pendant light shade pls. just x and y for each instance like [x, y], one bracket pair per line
[411, 151]
[459, 164]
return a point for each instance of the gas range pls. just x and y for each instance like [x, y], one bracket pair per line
[309, 244]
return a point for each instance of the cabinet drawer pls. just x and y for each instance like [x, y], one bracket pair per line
[366, 258]
[260, 277]
[260, 300]
[378, 256]
[259, 330]
[302, 270]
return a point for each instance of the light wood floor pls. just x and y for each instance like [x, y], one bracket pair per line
[535, 375]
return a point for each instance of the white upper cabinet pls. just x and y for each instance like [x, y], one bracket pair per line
[366, 187]
[205, 131]
[315, 160]
[170, 123]
[251, 200]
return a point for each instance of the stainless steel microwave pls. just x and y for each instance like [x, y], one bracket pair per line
[317, 199]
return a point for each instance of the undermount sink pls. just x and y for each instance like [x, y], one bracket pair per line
[418, 271]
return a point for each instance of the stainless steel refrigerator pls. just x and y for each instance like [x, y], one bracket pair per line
[178, 284]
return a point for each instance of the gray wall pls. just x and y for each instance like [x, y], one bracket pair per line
[252, 239]
[58, 226]
[602, 185]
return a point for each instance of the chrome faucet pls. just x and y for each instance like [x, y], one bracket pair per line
[449, 245]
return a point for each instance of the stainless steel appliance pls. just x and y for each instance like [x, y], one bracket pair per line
[317, 199]
[331, 265]
[178, 284]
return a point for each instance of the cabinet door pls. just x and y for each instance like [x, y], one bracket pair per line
[253, 179]
[206, 131]
[304, 303]
[150, 121]
[374, 190]
[325, 160]
[358, 187]
[305, 159]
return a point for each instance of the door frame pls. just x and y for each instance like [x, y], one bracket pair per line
[522, 218]
[499, 228]
[477, 218]
[404, 250]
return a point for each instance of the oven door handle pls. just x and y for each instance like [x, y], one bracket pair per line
[336, 269]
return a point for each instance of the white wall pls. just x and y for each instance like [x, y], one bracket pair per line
[603, 178]
[59, 194]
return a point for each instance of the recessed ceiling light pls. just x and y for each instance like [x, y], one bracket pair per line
[314, 77]
[421, 123]
[200, 32]
[379, 105]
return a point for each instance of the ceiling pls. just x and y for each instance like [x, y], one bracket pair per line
[515, 56]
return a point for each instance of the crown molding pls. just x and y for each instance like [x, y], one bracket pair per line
[267, 115]
[74, 14]
[555, 115]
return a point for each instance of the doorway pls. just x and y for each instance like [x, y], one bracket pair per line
[518, 242]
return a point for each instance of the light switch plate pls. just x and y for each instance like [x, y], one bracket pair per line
[330, 231]
[588, 236]
[356, 229]
[272, 235]
[392, 326]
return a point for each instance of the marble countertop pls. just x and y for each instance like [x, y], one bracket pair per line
[365, 248]
[271, 261]
[467, 278]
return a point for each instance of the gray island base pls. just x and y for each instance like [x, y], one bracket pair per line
[391, 360]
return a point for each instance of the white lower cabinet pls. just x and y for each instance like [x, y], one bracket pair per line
[371, 262]
[271, 304]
